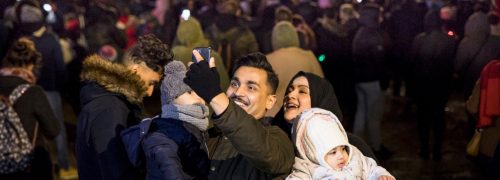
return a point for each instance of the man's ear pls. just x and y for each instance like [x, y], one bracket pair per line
[271, 101]
[134, 67]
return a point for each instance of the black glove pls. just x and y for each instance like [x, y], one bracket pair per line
[203, 80]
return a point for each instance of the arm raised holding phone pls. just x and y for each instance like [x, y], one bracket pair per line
[245, 145]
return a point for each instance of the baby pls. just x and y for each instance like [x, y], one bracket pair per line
[325, 153]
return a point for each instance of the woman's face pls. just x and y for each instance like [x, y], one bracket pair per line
[297, 98]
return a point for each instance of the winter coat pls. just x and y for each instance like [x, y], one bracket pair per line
[52, 72]
[173, 149]
[432, 56]
[310, 162]
[244, 148]
[489, 136]
[488, 52]
[32, 107]
[111, 99]
[477, 30]
[369, 46]
[369, 53]
[190, 35]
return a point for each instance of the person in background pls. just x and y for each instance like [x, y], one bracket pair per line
[484, 104]
[288, 58]
[111, 101]
[190, 35]
[369, 55]
[52, 73]
[228, 36]
[324, 151]
[33, 108]
[432, 55]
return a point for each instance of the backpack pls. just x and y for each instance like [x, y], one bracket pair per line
[15, 147]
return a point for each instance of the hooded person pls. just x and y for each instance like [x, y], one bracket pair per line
[112, 100]
[477, 30]
[322, 95]
[174, 142]
[288, 58]
[190, 35]
[324, 151]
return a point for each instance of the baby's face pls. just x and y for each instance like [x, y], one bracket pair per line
[189, 98]
[337, 157]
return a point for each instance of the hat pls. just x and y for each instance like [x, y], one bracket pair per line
[109, 52]
[189, 32]
[173, 84]
[284, 35]
[30, 14]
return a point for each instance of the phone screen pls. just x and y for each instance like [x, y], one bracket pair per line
[204, 52]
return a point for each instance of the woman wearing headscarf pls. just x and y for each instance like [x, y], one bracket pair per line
[305, 91]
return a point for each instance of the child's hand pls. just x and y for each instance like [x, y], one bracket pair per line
[385, 177]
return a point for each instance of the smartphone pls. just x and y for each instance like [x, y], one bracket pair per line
[204, 52]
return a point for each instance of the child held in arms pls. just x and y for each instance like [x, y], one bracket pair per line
[325, 153]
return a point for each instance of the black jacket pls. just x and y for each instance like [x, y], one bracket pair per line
[111, 101]
[32, 107]
[52, 72]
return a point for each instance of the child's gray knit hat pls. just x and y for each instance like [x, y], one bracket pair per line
[173, 84]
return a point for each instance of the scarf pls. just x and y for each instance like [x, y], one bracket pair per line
[195, 114]
[19, 72]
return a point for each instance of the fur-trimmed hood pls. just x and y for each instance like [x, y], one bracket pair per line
[113, 77]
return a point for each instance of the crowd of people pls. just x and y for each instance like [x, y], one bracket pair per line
[293, 89]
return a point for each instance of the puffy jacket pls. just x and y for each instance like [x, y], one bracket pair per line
[170, 148]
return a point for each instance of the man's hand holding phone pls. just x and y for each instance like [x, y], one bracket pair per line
[202, 76]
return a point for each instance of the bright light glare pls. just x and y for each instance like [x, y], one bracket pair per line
[451, 33]
[321, 58]
[185, 14]
[47, 7]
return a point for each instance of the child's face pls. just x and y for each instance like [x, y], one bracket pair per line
[189, 98]
[337, 157]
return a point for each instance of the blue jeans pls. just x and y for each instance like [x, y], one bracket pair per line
[61, 140]
[369, 112]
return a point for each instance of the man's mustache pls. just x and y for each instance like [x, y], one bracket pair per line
[239, 99]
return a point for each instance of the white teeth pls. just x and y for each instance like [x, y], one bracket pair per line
[239, 103]
[292, 106]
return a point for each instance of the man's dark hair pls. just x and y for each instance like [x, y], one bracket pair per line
[151, 51]
[259, 61]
